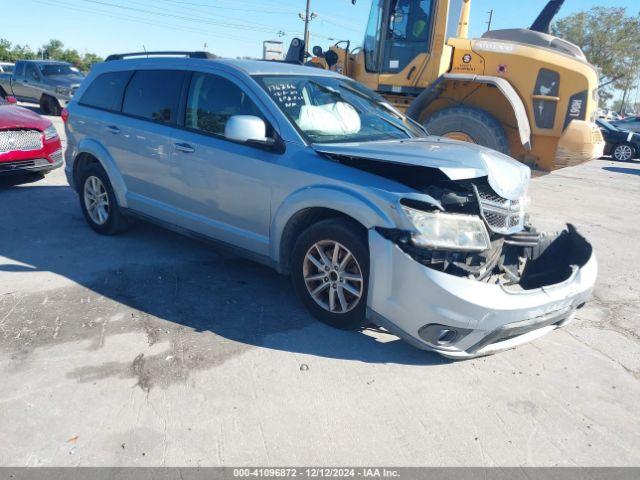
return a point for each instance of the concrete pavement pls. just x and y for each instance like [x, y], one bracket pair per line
[152, 349]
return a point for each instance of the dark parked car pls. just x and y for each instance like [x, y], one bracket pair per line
[629, 123]
[622, 145]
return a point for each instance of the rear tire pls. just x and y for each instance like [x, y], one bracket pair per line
[480, 126]
[98, 202]
[341, 300]
[623, 152]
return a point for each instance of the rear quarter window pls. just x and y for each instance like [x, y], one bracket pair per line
[154, 95]
[106, 91]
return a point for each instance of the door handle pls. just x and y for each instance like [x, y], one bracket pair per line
[113, 129]
[184, 147]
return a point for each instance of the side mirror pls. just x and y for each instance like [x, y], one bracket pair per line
[11, 99]
[244, 128]
[317, 51]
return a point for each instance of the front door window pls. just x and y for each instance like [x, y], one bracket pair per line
[408, 33]
[372, 38]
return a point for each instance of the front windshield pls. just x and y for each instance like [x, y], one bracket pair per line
[330, 110]
[7, 68]
[57, 69]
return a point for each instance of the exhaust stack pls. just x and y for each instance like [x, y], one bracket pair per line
[543, 22]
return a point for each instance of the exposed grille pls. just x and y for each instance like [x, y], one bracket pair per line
[20, 140]
[11, 166]
[502, 215]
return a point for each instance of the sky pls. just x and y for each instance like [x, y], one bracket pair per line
[228, 28]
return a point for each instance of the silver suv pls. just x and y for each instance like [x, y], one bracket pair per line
[312, 173]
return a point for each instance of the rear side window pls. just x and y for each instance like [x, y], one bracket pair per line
[154, 95]
[106, 91]
[213, 100]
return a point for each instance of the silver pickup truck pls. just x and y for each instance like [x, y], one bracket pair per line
[47, 82]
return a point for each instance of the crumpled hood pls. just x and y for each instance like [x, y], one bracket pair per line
[457, 160]
[12, 116]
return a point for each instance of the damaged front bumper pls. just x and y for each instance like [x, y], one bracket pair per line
[461, 317]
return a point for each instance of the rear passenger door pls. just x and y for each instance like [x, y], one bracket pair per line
[139, 139]
[222, 187]
[104, 94]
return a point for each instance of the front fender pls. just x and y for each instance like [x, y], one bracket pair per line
[96, 150]
[431, 93]
[346, 201]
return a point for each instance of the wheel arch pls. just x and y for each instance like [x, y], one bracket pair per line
[310, 205]
[91, 151]
[422, 102]
[635, 148]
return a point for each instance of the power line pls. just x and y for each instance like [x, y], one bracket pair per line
[182, 17]
[130, 18]
[213, 20]
[251, 7]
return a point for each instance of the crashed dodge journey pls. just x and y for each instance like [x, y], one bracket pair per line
[310, 172]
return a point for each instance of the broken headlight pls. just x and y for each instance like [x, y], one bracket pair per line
[446, 231]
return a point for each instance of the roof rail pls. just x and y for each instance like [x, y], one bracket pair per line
[121, 56]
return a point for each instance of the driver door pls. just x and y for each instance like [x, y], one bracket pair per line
[222, 188]
[24, 82]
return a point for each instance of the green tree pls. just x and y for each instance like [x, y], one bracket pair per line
[89, 60]
[52, 50]
[22, 52]
[5, 50]
[71, 56]
[609, 39]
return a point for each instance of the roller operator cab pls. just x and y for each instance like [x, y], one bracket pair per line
[522, 92]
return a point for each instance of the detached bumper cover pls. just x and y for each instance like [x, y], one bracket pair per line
[409, 298]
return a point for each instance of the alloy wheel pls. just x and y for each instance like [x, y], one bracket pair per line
[333, 276]
[96, 200]
[623, 153]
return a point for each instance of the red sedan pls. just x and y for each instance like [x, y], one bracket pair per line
[28, 142]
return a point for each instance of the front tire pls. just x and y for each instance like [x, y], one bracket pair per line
[330, 272]
[50, 106]
[98, 202]
[44, 105]
[623, 152]
[470, 124]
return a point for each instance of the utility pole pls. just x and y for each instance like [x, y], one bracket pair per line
[307, 17]
[490, 12]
